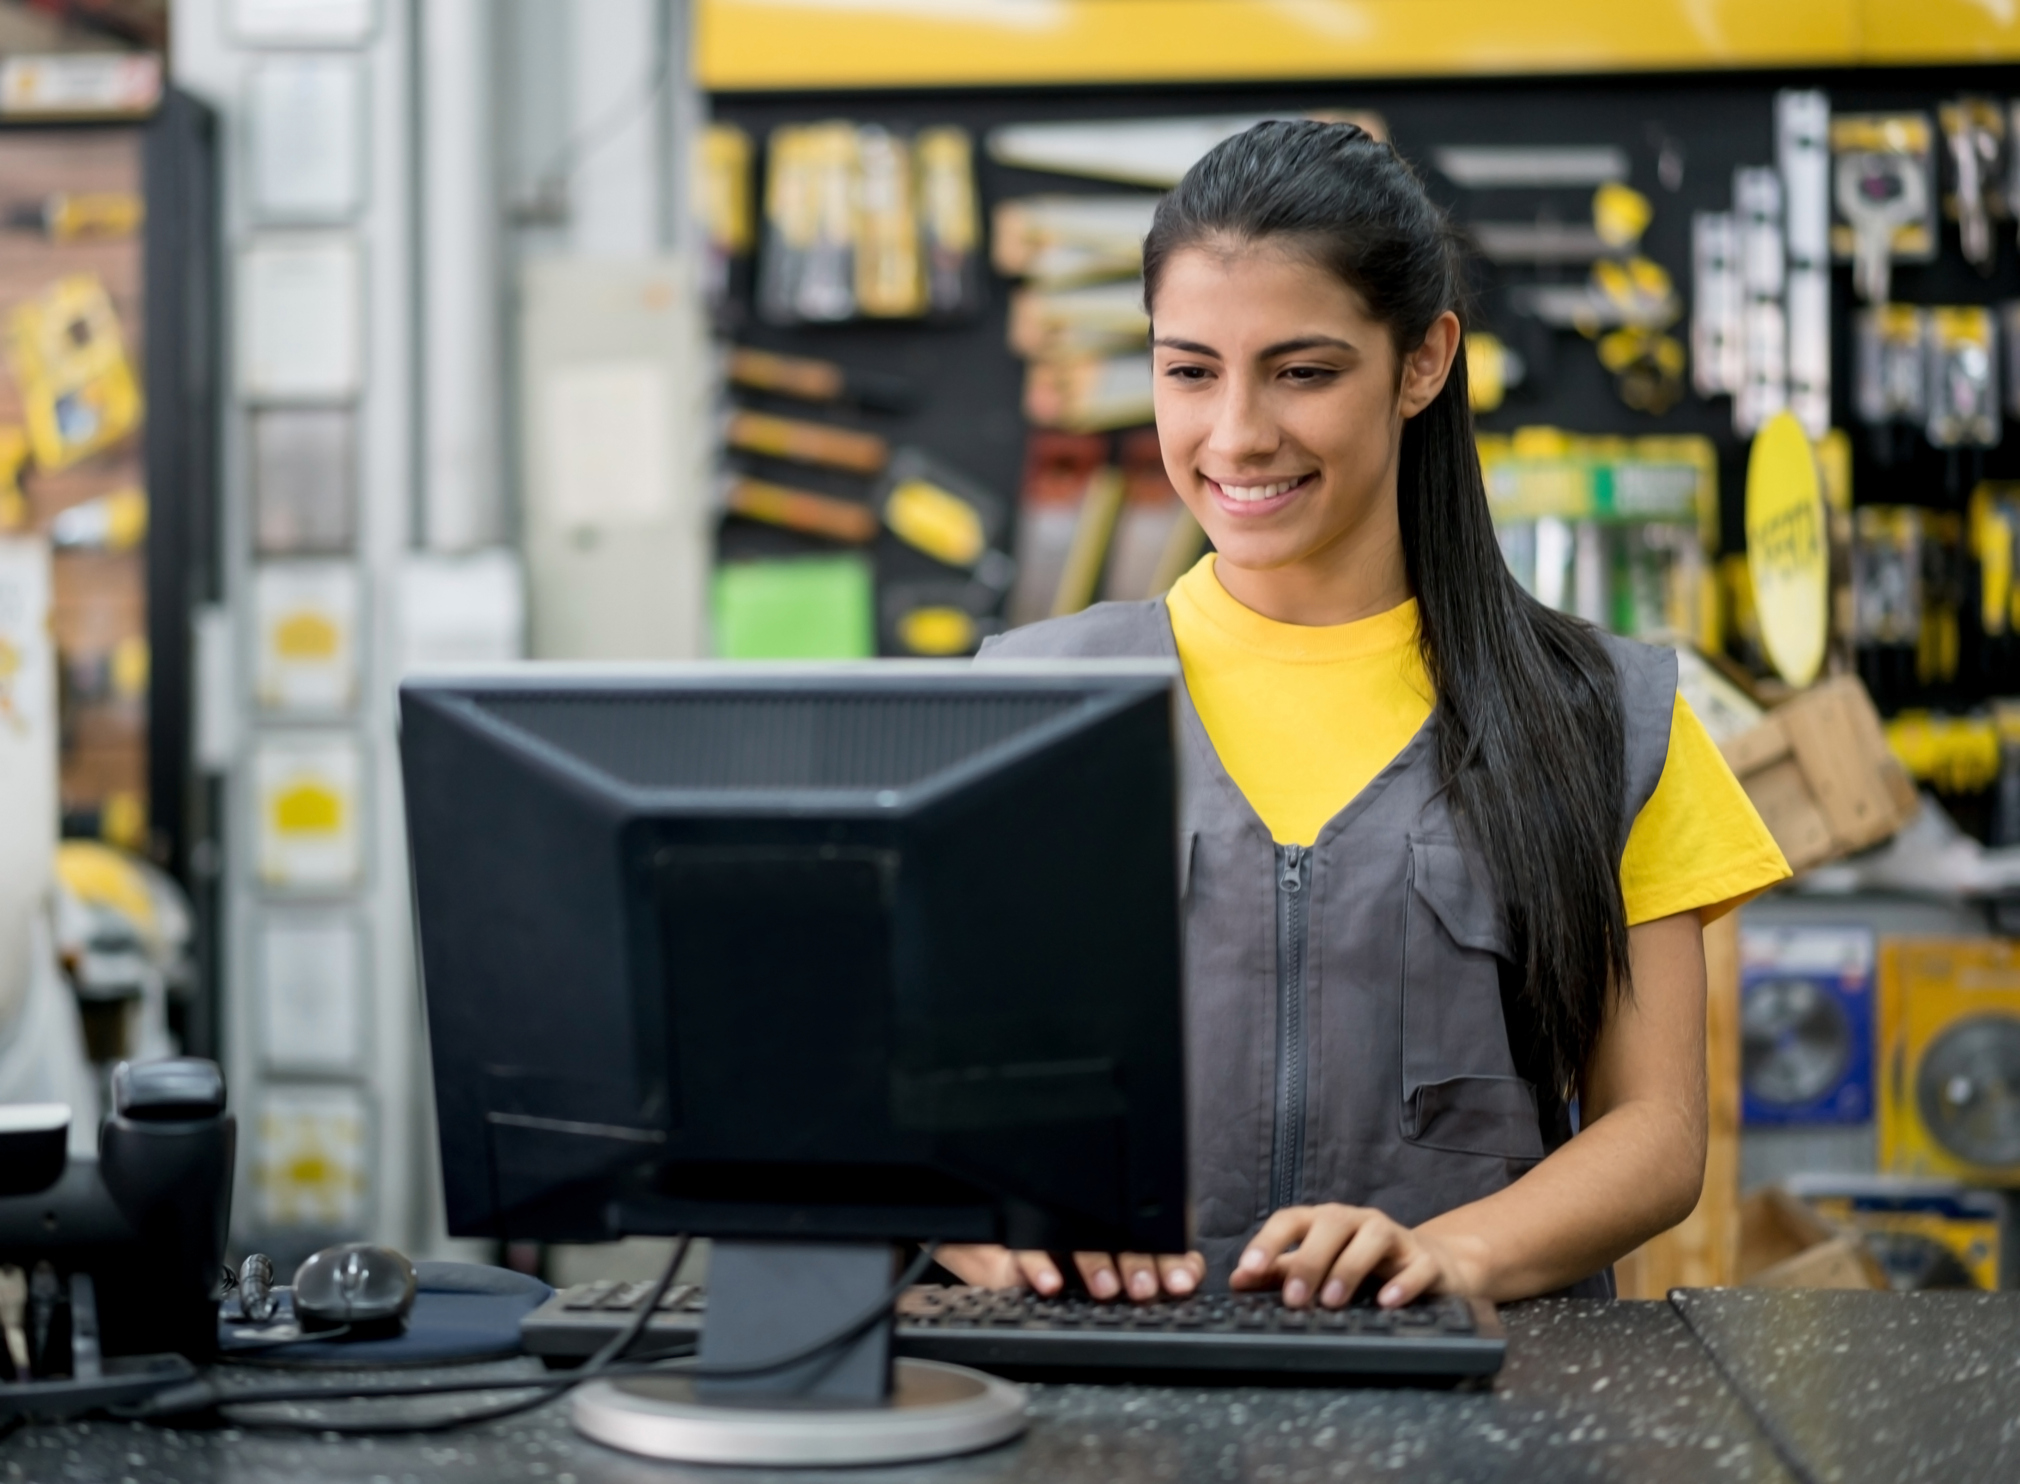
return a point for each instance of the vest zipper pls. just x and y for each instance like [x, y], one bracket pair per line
[1287, 1156]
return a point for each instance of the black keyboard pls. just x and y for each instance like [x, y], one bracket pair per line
[1437, 1339]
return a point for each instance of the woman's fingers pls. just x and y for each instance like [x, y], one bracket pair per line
[1039, 1271]
[983, 1265]
[1140, 1279]
[1416, 1278]
[1285, 1228]
[1181, 1275]
[1376, 1246]
[1097, 1271]
[1332, 1229]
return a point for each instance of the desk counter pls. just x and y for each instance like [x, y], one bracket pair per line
[1591, 1391]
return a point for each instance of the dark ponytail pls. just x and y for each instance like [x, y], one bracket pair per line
[1530, 737]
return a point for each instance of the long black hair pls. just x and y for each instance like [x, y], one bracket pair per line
[1529, 731]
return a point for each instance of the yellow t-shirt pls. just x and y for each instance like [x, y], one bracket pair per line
[1304, 717]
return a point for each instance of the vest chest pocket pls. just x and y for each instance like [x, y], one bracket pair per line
[1460, 1091]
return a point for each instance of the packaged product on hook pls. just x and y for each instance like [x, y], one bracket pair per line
[890, 283]
[1891, 383]
[1963, 377]
[807, 273]
[950, 220]
[1885, 192]
[1974, 133]
[722, 189]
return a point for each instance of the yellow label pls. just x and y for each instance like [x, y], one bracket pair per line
[122, 820]
[1787, 548]
[306, 636]
[105, 878]
[942, 525]
[308, 809]
[1620, 214]
[937, 631]
[1486, 371]
[130, 667]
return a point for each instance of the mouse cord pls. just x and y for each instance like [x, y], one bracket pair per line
[606, 1363]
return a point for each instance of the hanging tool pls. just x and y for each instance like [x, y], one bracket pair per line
[1878, 194]
[1973, 128]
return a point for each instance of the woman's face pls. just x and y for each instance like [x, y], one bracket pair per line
[1280, 407]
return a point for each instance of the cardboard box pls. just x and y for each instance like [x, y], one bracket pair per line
[1785, 1244]
[1818, 770]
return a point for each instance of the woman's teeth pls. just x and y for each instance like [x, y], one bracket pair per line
[1248, 493]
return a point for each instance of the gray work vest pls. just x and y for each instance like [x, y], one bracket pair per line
[1349, 1005]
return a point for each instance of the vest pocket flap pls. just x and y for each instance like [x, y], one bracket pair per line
[1477, 1115]
[1466, 909]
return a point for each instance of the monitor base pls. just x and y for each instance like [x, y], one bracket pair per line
[935, 1410]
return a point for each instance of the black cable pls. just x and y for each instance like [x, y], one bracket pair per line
[606, 1363]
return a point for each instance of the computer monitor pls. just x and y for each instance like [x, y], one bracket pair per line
[847, 953]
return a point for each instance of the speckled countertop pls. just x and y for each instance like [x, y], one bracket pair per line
[1873, 1388]
[1591, 1391]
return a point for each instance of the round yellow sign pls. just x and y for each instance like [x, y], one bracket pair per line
[1788, 553]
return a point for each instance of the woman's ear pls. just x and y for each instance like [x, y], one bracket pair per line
[1426, 368]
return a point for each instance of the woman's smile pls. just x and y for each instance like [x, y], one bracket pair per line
[1248, 496]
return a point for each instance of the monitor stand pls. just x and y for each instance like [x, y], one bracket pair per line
[852, 1404]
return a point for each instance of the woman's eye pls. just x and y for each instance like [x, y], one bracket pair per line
[1308, 375]
[1186, 373]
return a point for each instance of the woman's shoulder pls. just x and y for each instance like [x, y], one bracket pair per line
[1105, 631]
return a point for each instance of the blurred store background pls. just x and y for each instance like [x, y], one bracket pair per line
[345, 337]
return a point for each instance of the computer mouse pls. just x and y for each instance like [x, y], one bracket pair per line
[357, 1285]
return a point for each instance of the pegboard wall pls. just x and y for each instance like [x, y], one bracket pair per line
[1708, 124]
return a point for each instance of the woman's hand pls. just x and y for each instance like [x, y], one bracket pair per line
[1142, 1278]
[1329, 1251]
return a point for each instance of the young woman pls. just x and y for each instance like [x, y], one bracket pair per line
[1447, 854]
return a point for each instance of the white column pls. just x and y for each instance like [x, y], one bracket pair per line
[462, 382]
[614, 190]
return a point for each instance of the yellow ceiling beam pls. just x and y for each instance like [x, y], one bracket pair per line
[1899, 32]
[751, 45]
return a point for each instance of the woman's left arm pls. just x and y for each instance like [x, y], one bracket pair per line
[1635, 1168]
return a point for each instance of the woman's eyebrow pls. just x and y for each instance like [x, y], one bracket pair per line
[1305, 342]
[1190, 347]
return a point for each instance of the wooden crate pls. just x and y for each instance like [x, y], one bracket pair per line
[1818, 770]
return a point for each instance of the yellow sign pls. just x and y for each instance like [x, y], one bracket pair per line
[1788, 549]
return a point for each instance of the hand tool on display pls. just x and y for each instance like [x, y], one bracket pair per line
[1088, 395]
[78, 392]
[1717, 347]
[1802, 152]
[807, 272]
[1092, 319]
[1963, 377]
[1537, 242]
[1148, 152]
[80, 216]
[723, 204]
[1883, 182]
[1892, 381]
[1635, 292]
[890, 279]
[1757, 205]
[804, 442]
[13, 1316]
[937, 509]
[1878, 194]
[1480, 167]
[808, 379]
[1058, 241]
[799, 510]
[1648, 366]
[1974, 130]
[939, 619]
[950, 221]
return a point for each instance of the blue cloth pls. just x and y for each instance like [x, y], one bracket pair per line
[462, 1312]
